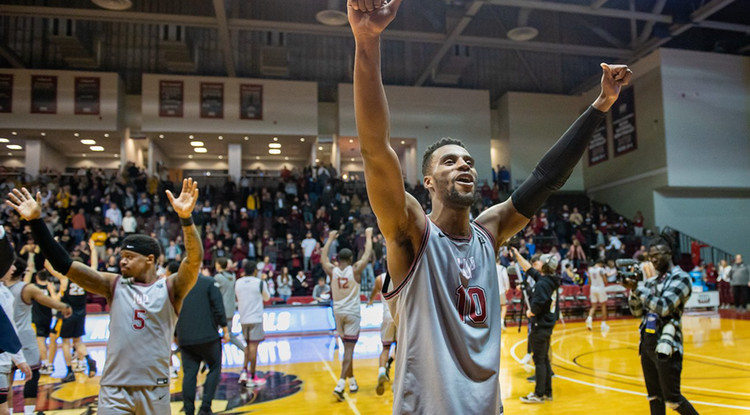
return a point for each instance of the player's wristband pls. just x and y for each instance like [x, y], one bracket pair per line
[186, 221]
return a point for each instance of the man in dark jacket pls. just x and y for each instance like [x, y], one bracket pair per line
[198, 337]
[543, 313]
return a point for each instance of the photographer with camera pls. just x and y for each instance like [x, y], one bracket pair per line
[660, 301]
[543, 313]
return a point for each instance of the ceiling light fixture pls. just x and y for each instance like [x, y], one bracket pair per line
[352, 158]
[14, 147]
[200, 150]
[274, 145]
[276, 139]
[106, 135]
[351, 141]
[196, 143]
[88, 142]
[83, 155]
[43, 134]
[257, 157]
[14, 133]
[118, 5]
[74, 134]
[317, 160]
[403, 142]
[4, 140]
[221, 157]
[96, 148]
[10, 154]
[190, 156]
[191, 136]
[247, 138]
[221, 137]
[274, 151]
[320, 148]
[302, 139]
[286, 158]
[117, 155]
[161, 135]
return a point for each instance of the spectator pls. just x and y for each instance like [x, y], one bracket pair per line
[239, 251]
[129, 224]
[301, 287]
[322, 291]
[739, 276]
[308, 246]
[225, 281]
[284, 284]
[79, 226]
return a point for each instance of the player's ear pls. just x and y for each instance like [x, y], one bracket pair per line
[427, 182]
[151, 259]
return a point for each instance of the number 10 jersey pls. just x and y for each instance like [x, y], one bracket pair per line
[142, 320]
[447, 314]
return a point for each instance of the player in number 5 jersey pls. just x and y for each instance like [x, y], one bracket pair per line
[446, 301]
[143, 307]
[345, 280]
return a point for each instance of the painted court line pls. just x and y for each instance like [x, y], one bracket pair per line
[629, 392]
[335, 379]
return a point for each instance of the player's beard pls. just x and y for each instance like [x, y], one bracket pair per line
[458, 199]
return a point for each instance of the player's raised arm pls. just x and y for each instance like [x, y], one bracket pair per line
[30, 209]
[400, 217]
[186, 276]
[360, 265]
[507, 218]
[325, 260]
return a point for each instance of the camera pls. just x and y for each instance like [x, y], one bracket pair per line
[628, 268]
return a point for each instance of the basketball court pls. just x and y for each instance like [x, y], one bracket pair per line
[593, 373]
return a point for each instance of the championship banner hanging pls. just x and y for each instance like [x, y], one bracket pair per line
[43, 94]
[251, 102]
[212, 100]
[6, 93]
[171, 98]
[598, 146]
[87, 95]
[623, 123]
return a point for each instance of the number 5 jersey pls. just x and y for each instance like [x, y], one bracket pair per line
[141, 327]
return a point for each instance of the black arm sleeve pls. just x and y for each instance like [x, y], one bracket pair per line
[217, 306]
[53, 251]
[556, 166]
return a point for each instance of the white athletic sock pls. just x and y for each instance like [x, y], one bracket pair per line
[342, 383]
[381, 371]
[29, 409]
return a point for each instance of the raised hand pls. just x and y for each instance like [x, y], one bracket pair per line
[368, 233]
[332, 235]
[184, 204]
[614, 77]
[25, 204]
[371, 17]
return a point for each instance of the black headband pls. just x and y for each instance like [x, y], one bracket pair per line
[141, 244]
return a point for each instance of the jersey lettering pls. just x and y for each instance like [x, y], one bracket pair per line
[472, 304]
[139, 322]
[343, 283]
[75, 289]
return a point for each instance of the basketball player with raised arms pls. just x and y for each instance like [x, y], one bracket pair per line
[345, 280]
[446, 301]
[143, 308]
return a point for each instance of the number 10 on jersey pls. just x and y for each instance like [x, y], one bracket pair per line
[472, 304]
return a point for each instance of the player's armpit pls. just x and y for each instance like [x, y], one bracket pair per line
[503, 221]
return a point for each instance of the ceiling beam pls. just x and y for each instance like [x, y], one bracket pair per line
[224, 38]
[457, 30]
[531, 46]
[579, 9]
[602, 33]
[108, 15]
[731, 27]
[598, 3]
[11, 56]
[649, 26]
[697, 18]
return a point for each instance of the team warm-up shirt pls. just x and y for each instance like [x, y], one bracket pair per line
[40, 312]
[141, 326]
[447, 311]
[22, 315]
[345, 292]
[251, 292]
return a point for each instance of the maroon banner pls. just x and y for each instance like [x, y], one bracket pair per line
[623, 123]
[251, 102]
[598, 146]
[6, 93]
[212, 100]
[87, 95]
[171, 98]
[43, 94]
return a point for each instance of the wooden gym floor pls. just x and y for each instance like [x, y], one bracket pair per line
[595, 372]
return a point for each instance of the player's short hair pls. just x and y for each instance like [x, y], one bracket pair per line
[427, 156]
[250, 268]
[173, 267]
[222, 262]
[536, 257]
[346, 255]
[20, 268]
[42, 275]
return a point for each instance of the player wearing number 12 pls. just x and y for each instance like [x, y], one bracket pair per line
[143, 307]
[446, 302]
[345, 280]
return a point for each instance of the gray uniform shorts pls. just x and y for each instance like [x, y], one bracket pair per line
[253, 332]
[134, 400]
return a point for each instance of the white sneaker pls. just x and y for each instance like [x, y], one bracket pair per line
[79, 366]
[46, 370]
[338, 391]
[532, 398]
[381, 382]
[353, 387]
[526, 359]
[605, 326]
[589, 323]
[243, 377]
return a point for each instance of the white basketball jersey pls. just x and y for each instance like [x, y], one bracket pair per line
[345, 291]
[447, 310]
[249, 291]
[596, 277]
[142, 320]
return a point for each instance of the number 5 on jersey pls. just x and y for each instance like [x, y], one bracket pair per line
[139, 319]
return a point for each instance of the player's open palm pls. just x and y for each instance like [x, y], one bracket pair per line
[183, 204]
[25, 204]
[371, 17]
